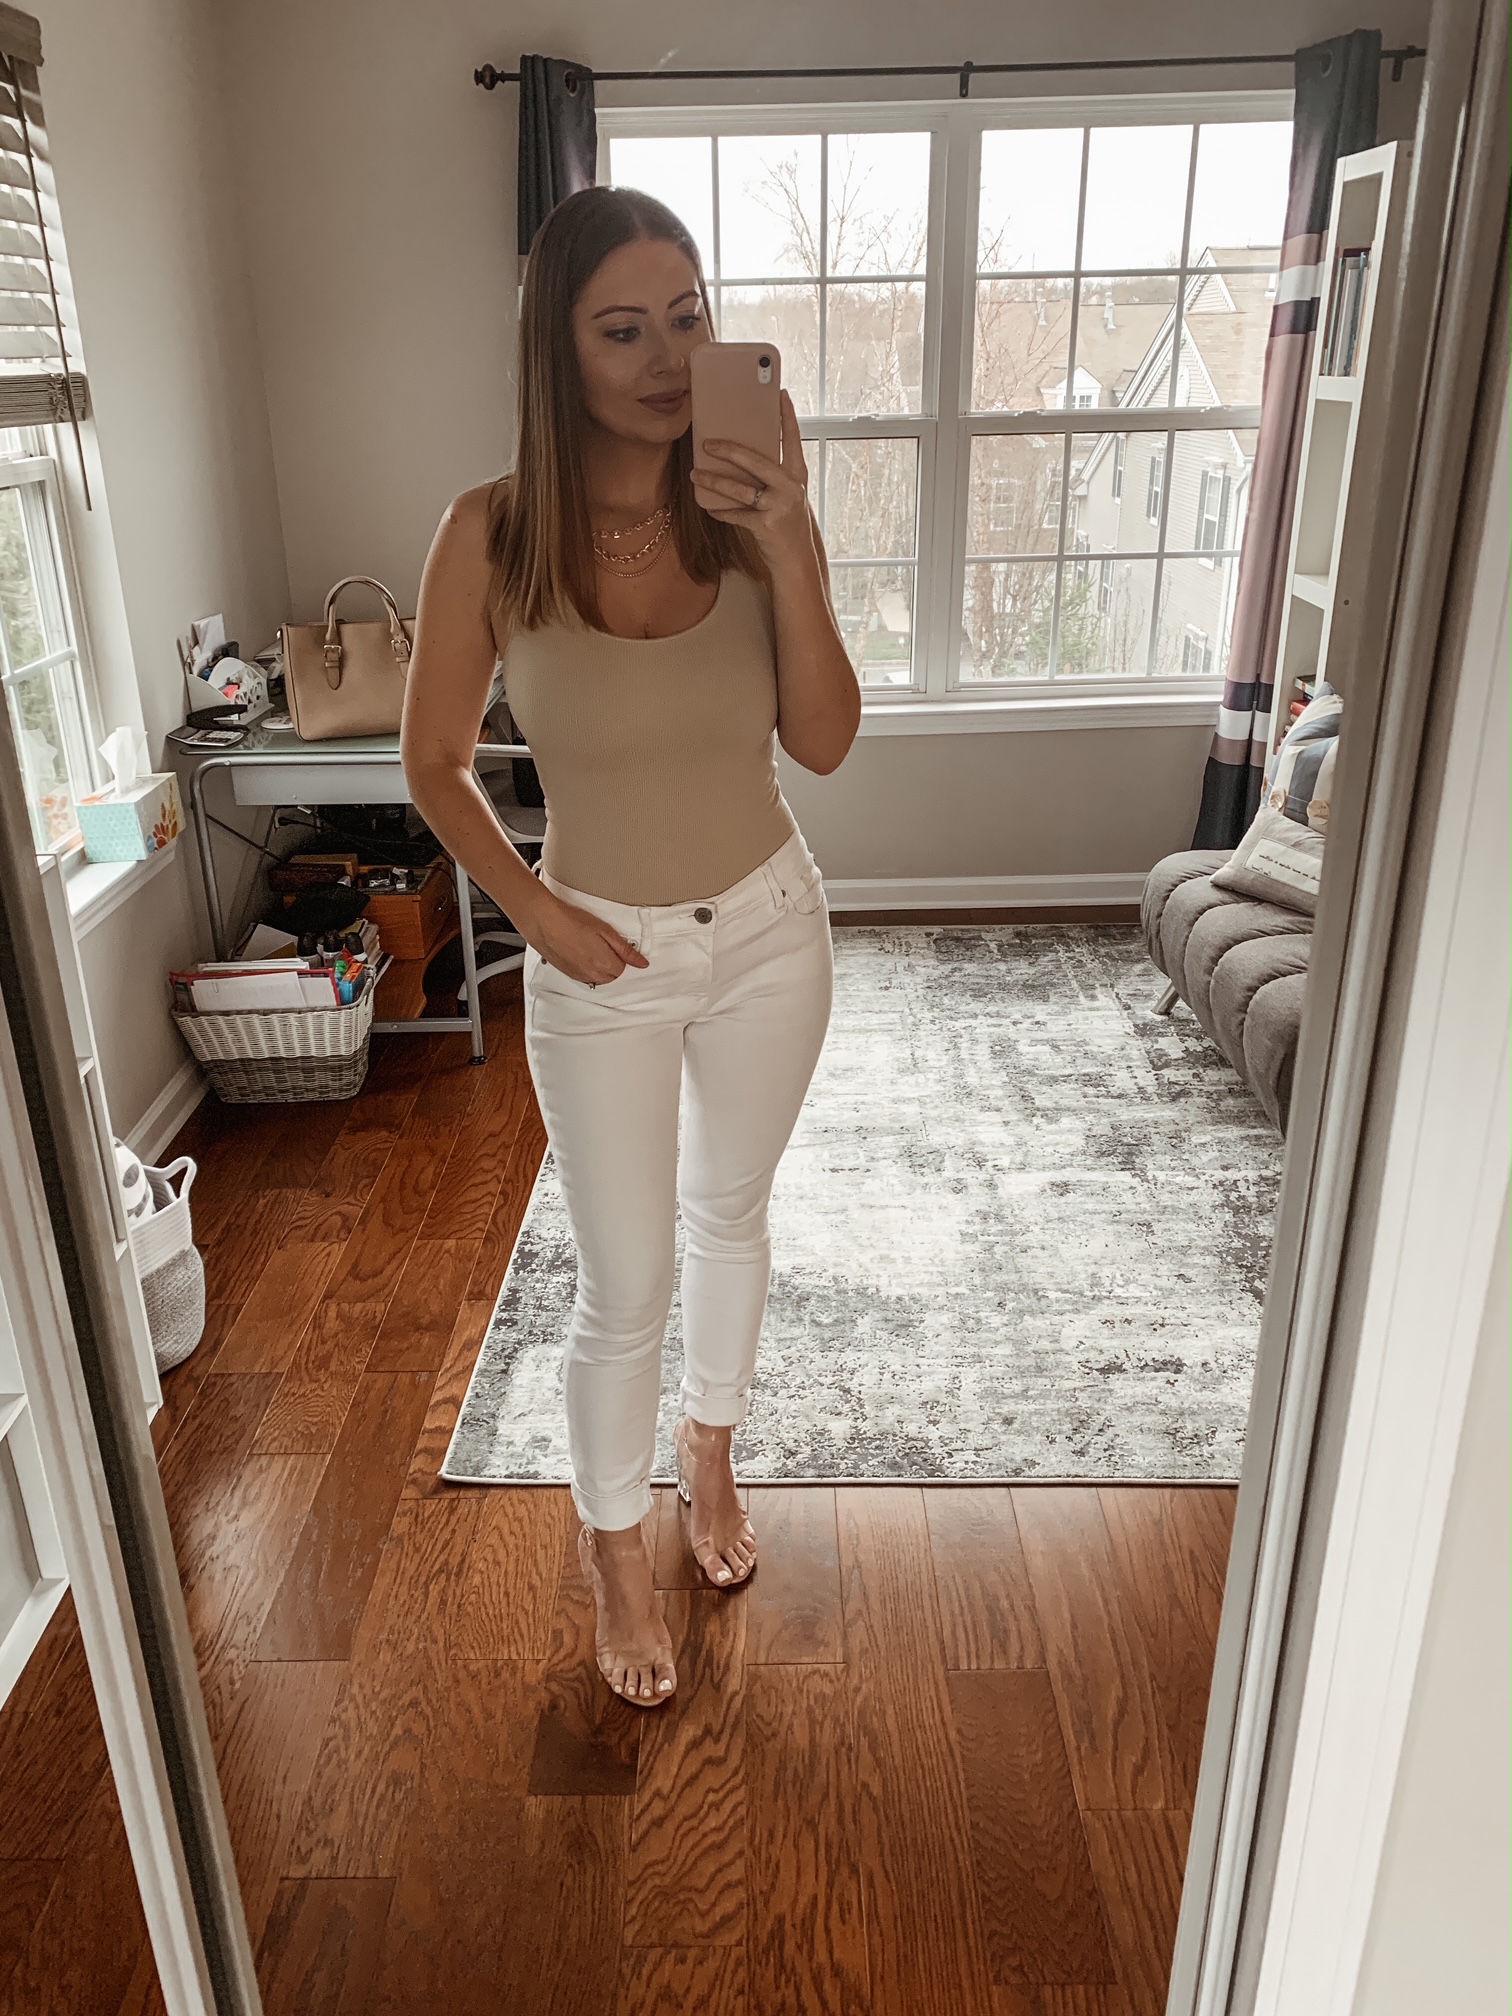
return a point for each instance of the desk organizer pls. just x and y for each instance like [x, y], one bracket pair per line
[261, 1056]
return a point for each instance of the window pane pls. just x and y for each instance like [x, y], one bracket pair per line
[42, 744]
[1006, 620]
[1123, 342]
[20, 604]
[874, 608]
[679, 173]
[878, 202]
[1013, 504]
[1116, 483]
[1023, 328]
[787, 316]
[1209, 490]
[1225, 327]
[1105, 618]
[871, 493]
[1026, 217]
[874, 346]
[1196, 615]
[768, 205]
[1136, 195]
[1239, 204]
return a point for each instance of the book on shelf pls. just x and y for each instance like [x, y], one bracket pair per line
[1346, 307]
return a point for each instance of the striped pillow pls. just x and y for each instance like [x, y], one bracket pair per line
[1280, 858]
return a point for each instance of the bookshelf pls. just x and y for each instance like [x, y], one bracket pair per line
[1352, 262]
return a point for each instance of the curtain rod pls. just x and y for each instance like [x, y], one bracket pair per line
[489, 77]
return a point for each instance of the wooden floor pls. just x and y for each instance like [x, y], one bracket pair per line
[939, 1757]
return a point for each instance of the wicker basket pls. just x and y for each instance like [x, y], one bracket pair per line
[259, 1056]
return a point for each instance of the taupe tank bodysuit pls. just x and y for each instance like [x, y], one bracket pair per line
[657, 755]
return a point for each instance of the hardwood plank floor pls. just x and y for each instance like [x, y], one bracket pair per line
[936, 1758]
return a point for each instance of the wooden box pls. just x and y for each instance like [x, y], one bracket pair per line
[412, 922]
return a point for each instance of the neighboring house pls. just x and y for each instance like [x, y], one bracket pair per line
[1123, 488]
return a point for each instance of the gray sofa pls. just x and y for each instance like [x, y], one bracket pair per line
[1239, 965]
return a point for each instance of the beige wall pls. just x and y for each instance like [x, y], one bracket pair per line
[379, 205]
[1100, 801]
[1438, 1932]
[183, 469]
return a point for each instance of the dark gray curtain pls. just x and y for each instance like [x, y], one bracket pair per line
[558, 139]
[1338, 86]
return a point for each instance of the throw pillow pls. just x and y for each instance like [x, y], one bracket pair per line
[1280, 858]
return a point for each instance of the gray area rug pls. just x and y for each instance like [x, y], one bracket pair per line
[1022, 1231]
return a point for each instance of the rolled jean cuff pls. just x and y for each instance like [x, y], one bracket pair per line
[715, 1410]
[615, 1513]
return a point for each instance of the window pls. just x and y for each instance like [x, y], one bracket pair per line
[1152, 485]
[39, 651]
[1196, 652]
[41, 384]
[957, 345]
[1212, 509]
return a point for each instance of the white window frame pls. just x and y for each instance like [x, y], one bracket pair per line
[39, 471]
[944, 426]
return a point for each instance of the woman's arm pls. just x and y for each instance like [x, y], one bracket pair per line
[818, 698]
[450, 673]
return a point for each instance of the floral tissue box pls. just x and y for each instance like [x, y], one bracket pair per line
[129, 828]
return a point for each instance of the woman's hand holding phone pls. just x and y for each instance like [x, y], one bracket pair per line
[767, 499]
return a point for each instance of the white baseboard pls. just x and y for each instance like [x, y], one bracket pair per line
[168, 1112]
[983, 892]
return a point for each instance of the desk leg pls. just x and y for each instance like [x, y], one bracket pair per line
[470, 964]
[207, 862]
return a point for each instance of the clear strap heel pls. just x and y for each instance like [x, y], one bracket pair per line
[705, 1552]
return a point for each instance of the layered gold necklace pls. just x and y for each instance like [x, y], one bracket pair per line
[628, 561]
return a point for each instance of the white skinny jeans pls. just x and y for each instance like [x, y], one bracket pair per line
[734, 1006]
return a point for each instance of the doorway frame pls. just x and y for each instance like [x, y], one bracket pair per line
[1418, 415]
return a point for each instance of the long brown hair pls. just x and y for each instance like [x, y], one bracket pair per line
[540, 540]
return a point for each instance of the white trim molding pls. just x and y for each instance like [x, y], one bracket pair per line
[1041, 713]
[96, 888]
[168, 1112]
[984, 892]
[1443, 1197]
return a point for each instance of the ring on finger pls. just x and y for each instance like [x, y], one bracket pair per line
[761, 490]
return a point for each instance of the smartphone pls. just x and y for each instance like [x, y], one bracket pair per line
[737, 396]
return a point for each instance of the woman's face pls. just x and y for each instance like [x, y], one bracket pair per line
[636, 324]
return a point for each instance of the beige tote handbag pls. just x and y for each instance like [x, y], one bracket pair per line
[347, 678]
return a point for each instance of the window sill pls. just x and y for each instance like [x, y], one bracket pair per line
[1040, 713]
[95, 888]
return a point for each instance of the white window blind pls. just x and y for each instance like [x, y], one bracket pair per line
[42, 377]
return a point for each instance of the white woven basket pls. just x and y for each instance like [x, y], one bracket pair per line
[279, 1032]
[169, 1230]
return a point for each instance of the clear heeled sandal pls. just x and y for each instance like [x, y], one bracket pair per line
[702, 1549]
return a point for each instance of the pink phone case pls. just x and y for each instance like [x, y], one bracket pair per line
[737, 396]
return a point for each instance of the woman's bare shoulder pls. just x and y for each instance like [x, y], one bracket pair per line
[469, 515]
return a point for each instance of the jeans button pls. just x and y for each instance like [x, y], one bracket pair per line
[703, 914]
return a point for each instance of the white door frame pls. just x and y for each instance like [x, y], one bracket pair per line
[32, 1283]
[1417, 428]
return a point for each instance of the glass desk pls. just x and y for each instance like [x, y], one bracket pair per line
[272, 766]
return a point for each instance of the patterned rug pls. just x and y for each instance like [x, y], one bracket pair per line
[1022, 1231]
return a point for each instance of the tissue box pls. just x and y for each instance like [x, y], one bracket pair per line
[149, 816]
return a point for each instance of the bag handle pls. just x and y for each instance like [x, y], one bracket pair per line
[185, 1166]
[398, 642]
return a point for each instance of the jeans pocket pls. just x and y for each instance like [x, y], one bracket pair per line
[808, 893]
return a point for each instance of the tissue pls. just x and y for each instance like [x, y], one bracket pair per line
[139, 812]
[125, 753]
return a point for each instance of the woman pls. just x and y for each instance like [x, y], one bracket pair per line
[677, 934]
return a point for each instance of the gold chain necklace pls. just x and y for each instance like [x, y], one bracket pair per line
[640, 559]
